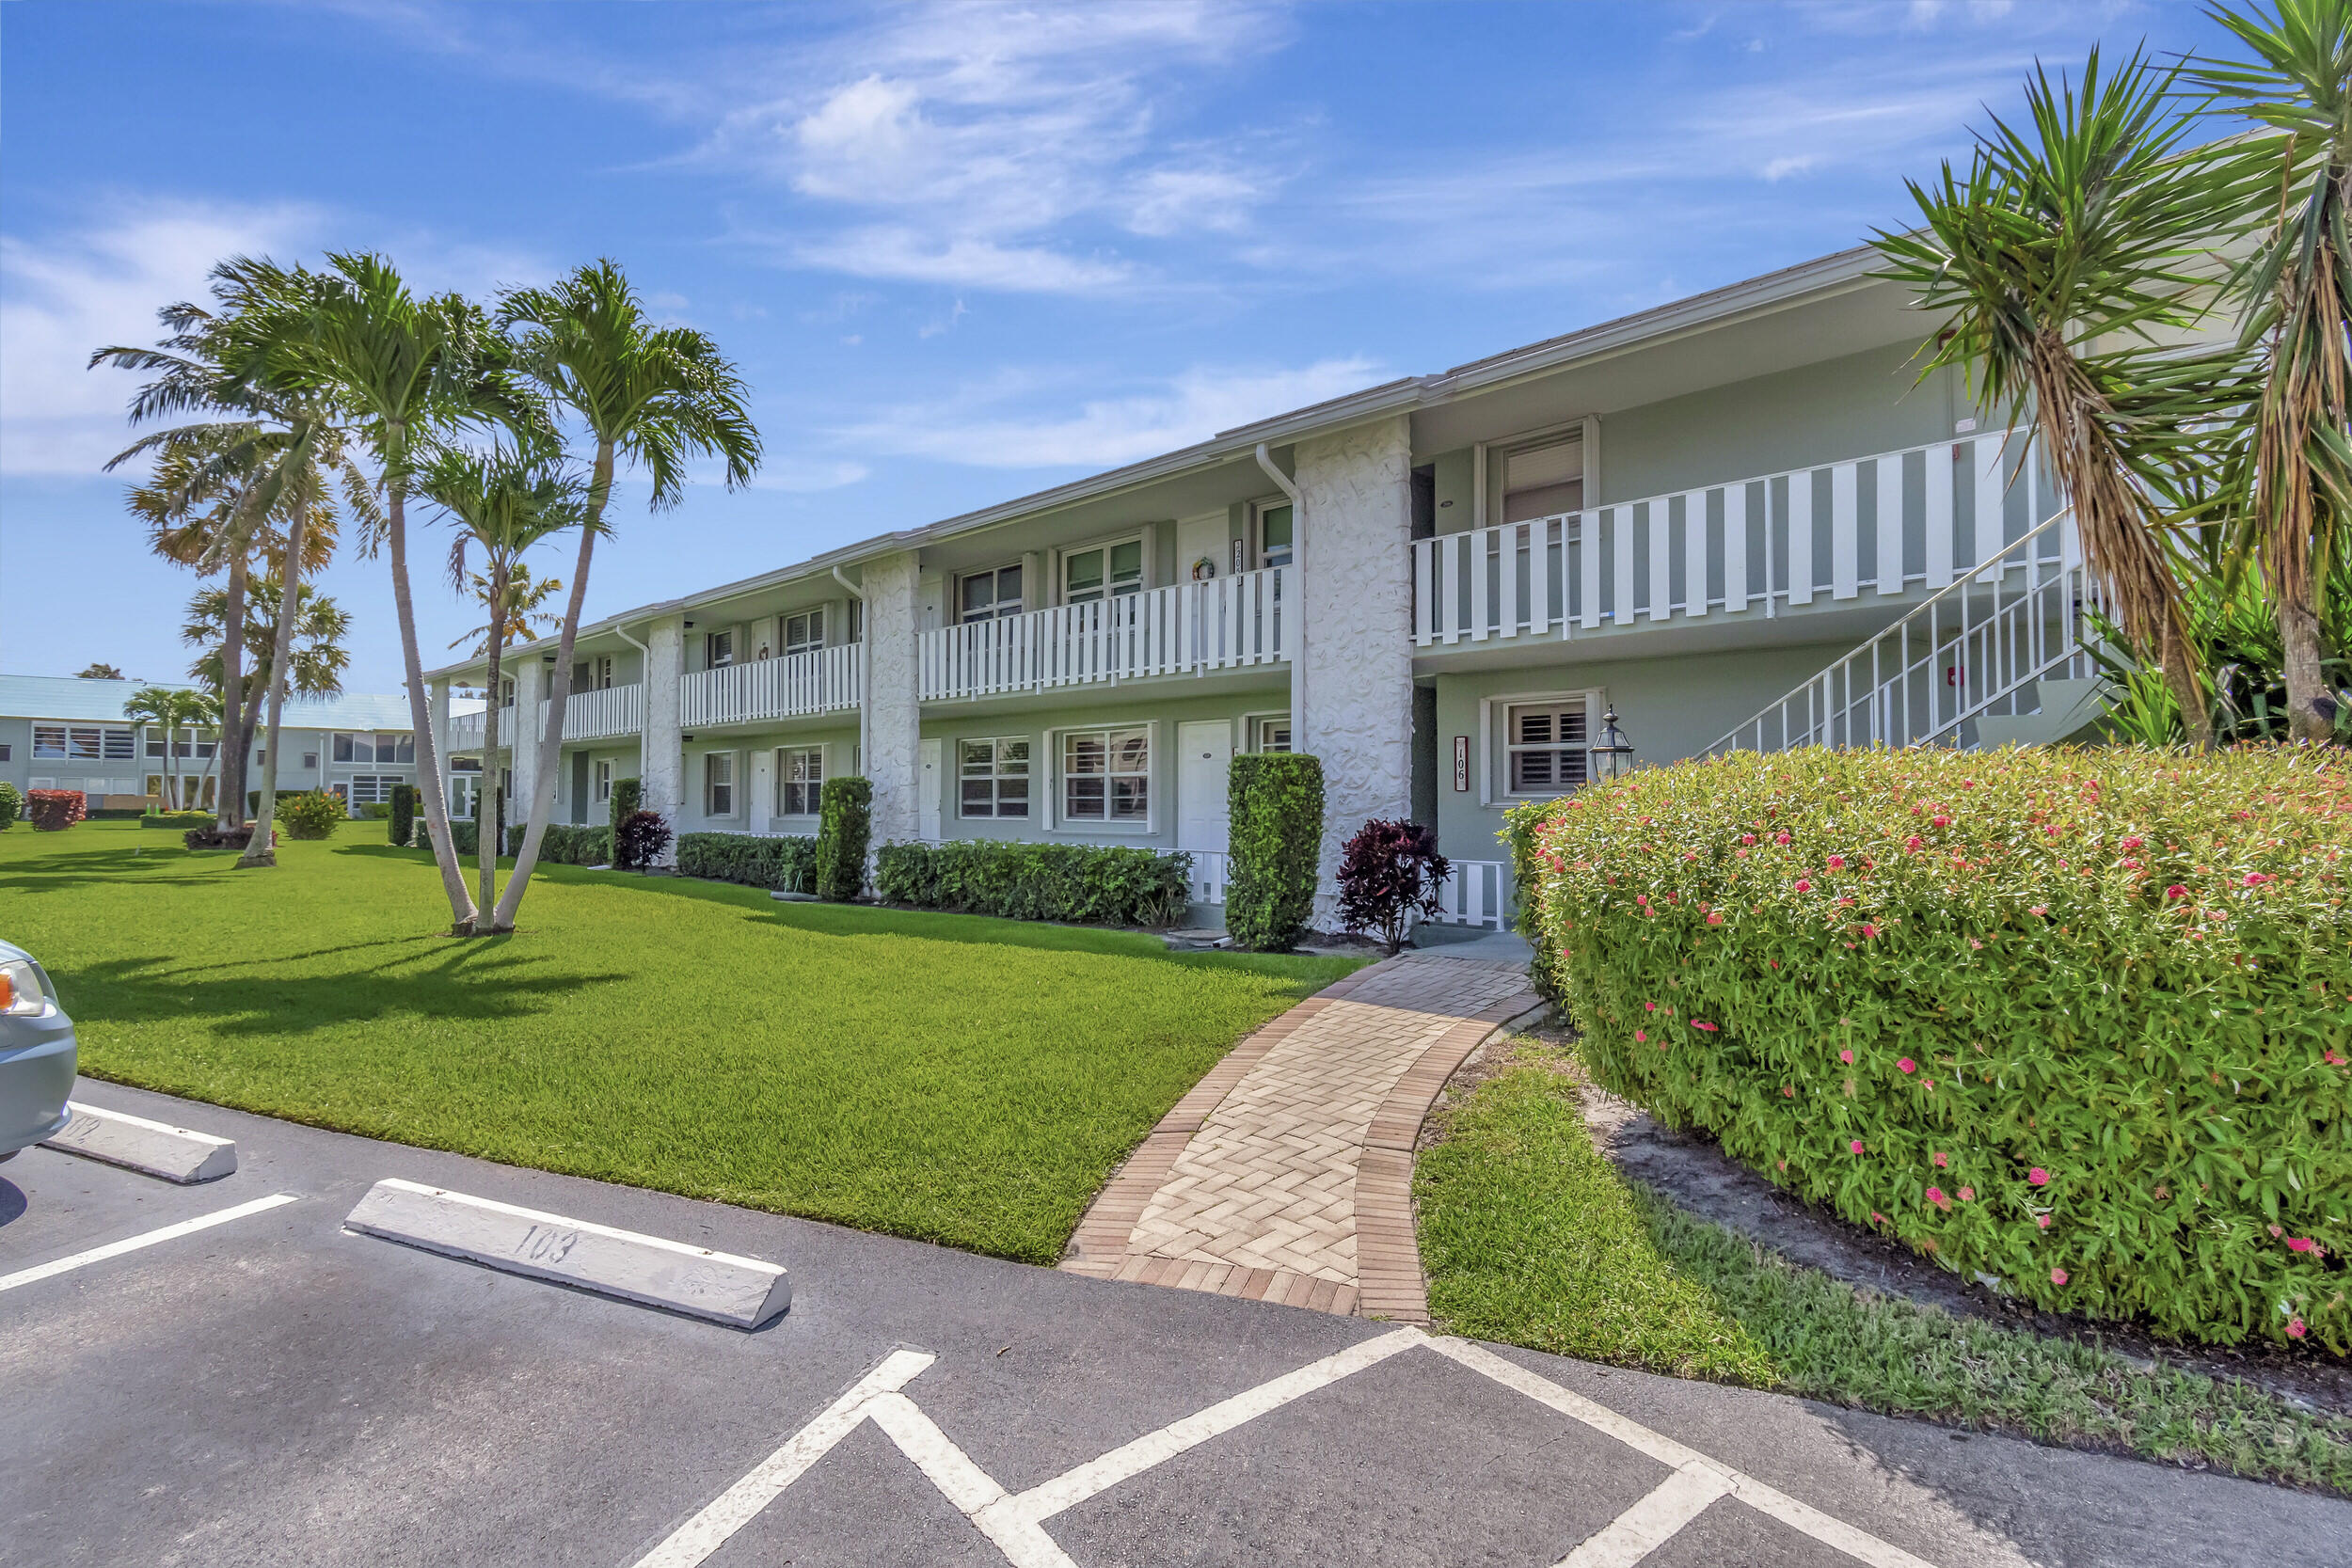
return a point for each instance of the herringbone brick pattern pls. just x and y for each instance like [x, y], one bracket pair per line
[1251, 1185]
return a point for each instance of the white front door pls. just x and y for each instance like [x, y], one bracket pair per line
[927, 780]
[1204, 758]
[763, 791]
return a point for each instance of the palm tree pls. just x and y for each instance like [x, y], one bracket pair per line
[199, 710]
[524, 619]
[656, 396]
[407, 370]
[190, 506]
[2296, 295]
[278, 445]
[2056, 261]
[314, 648]
[504, 505]
[99, 672]
[158, 707]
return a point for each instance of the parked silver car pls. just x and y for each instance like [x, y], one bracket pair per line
[37, 1054]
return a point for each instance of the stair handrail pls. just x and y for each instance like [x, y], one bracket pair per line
[1961, 584]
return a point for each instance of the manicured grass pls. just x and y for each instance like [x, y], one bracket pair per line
[1532, 1237]
[950, 1078]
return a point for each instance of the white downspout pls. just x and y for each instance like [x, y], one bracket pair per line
[644, 665]
[865, 674]
[1298, 605]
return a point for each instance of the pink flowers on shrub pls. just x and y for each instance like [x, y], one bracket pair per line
[2176, 891]
[1968, 1195]
[1846, 1057]
[1913, 843]
[2131, 844]
[1855, 1146]
[1804, 886]
[1701, 1023]
[1640, 1037]
[1935, 1196]
[2302, 1243]
[2057, 1276]
[1715, 920]
[1941, 1159]
[1780, 838]
[2295, 1329]
[2042, 1220]
[2254, 879]
[1906, 1065]
[1838, 863]
[1942, 821]
[1870, 930]
[2038, 1177]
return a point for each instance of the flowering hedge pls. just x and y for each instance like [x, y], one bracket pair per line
[2080, 1021]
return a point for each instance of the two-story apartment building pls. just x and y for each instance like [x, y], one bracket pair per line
[1439, 586]
[71, 734]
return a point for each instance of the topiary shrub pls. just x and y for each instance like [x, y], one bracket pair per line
[1078, 884]
[788, 865]
[312, 814]
[52, 810]
[1275, 839]
[639, 840]
[628, 795]
[403, 831]
[845, 826]
[2077, 1020]
[12, 805]
[1390, 872]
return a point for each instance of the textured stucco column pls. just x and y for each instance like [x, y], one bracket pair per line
[660, 769]
[522, 739]
[1354, 683]
[893, 720]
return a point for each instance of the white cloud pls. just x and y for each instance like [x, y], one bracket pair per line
[913, 256]
[65, 295]
[1006, 423]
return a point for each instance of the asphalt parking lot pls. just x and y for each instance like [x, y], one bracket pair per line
[274, 1389]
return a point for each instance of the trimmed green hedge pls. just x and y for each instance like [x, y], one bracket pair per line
[404, 828]
[12, 805]
[2077, 1020]
[1275, 839]
[844, 827]
[1081, 885]
[788, 865]
[179, 820]
[568, 843]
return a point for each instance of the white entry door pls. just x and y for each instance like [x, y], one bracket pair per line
[763, 791]
[927, 781]
[1204, 758]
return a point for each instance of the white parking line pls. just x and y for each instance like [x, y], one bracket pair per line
[133, 1244]
[1015, 1522]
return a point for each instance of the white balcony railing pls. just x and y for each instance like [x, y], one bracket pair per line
[1186, 628]
[1881, 526]
[823, 681]
[601, 713]
[465, 729]
[1474, 895]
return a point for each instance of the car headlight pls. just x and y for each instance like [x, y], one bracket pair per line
[21, 995]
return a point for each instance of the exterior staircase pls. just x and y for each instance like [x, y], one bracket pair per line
[1998, 658]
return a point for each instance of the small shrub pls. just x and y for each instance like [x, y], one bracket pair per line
[1275, 807]
[844, 828]
[376, 811]
[213, 836]
[2076, 1019]
[1390, 872]
[52, 810]
[639, 843]
[1077, 883]
[179, 819]
[571, 844]
[312, 814]
[628, 795]
[12, 805]
[404, 828]
[788, 865]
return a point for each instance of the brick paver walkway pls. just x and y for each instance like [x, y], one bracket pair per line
[1286, 1174]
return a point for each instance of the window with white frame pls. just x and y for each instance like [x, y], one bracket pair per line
[718, 649]
[48, 741]
[800, 780]
[311, 762]
[1543, 480]
[594, 675]
[1546, 745]
[718, 784]
[506, 691]
[1276, 535]
[1270, 732]
[396, 748]
[81, 743]
[373, 789]
[989, 595]
[1106, 775]
[805, 631]
[463, 787]
[992, 777]
[354, 748]
[604, 781]
[1102, 572]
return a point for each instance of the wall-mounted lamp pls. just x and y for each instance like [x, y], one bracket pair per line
[1613, 757]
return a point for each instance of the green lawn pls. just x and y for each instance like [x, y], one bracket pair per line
[950, 1078]
[1531, 1236]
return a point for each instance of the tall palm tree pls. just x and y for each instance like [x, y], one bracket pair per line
[2295, 294]
[199, 711]
[2058, 262]
[156, 708]
[407, 370]
[270, 437]
[314, 648]
[502, 506]
[654, 396]
[190, 506]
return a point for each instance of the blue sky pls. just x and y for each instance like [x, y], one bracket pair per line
[960, 253]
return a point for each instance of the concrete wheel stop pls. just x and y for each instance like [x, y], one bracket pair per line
[150, 1147]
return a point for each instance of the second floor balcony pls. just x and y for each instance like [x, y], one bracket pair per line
[598, 714]
[1186, 628]
[821, 680]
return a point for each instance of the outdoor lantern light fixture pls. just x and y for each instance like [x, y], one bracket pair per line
[1613, 757]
